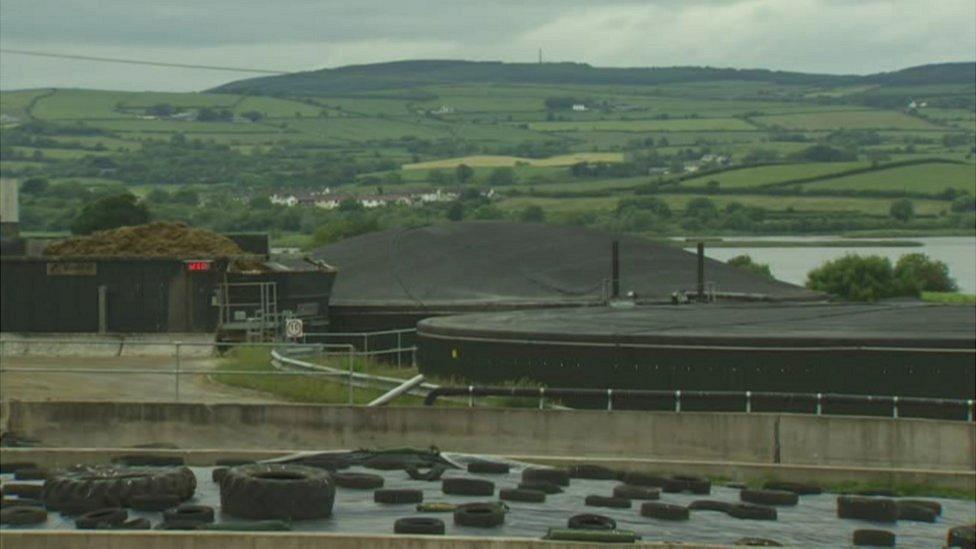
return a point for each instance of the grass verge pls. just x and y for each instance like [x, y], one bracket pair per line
[949, 298]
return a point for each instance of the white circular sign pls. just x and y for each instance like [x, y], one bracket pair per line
[294, 328]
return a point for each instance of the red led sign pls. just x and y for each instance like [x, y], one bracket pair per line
[198, 265]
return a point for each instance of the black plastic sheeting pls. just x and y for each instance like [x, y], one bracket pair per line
[503, 263]
[812, 523]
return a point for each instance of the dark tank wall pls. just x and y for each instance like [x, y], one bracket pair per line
[902, 373]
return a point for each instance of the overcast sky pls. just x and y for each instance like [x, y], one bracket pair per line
[833, 36]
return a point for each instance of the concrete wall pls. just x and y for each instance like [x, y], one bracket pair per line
[727, 437]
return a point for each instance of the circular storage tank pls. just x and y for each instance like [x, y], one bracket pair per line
[901, 349]
[393, 278]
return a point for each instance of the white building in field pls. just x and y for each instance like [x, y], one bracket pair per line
[579, 107]
[437, 196]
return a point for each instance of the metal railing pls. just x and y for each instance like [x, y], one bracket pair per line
[816, 402]
[182, 352]
[362, 341]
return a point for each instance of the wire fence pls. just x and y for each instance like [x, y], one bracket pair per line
[86, 360]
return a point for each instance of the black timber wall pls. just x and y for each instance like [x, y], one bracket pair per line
[143, 295]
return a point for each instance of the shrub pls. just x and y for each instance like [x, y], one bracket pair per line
[869, 278]
[855, 278]
[917, 273]
[746, 263]
[902, 210]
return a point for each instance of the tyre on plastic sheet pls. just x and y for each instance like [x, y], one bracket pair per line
[20, 502]
[643, 479]
[430, 474]
[116, 486]
[873, 538]
[488, 467]
[917, 513]
[545, 474]
[664, 511]
[591, 472]
[590, 521]
[769, 497]
[154, 502]
[545, 487]
[799, 488]
[695, 485]
[867, 508]
[23, 490]
[710, 505]
[277, 491]
[101, 518]
[398, 496]
[467, 486]
[19, 516]
[962, 536]
[749, 511]
[358, 481]
[607, 501]
[419, 525]
[480, 515]
[636, 492]
[194, 513]
[518, 494]
[31, 473]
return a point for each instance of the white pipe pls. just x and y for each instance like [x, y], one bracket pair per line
[398, 390]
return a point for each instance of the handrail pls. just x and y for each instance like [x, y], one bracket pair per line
[818, 400]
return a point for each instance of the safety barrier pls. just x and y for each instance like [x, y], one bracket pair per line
[952, 408]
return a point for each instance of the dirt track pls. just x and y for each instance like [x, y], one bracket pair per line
[158, 384]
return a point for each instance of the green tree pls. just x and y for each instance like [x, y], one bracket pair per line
[463, 173]
[158, 196]
[532, 214]
[34, 185]
[502, 176]
[855, 278]
[701, 208]
[110, 212]
[902, 210]
[253, 116]
[259, 202]
[746, 263]
[351, 205]
[650, 204]
[917, 273]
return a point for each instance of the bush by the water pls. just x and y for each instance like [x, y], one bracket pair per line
[747, 263]
[869, 278]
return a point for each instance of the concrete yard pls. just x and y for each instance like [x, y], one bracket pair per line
[157, 384]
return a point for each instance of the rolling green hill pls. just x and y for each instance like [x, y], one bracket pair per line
[773, 152]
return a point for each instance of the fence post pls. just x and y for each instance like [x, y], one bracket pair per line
[470, 396]
[177, 373]
[894, 407]
[352, 399]
[677, 401]
[542, 398]
[969, 410]
[748, 402]
[609, 400]
[819, 404]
